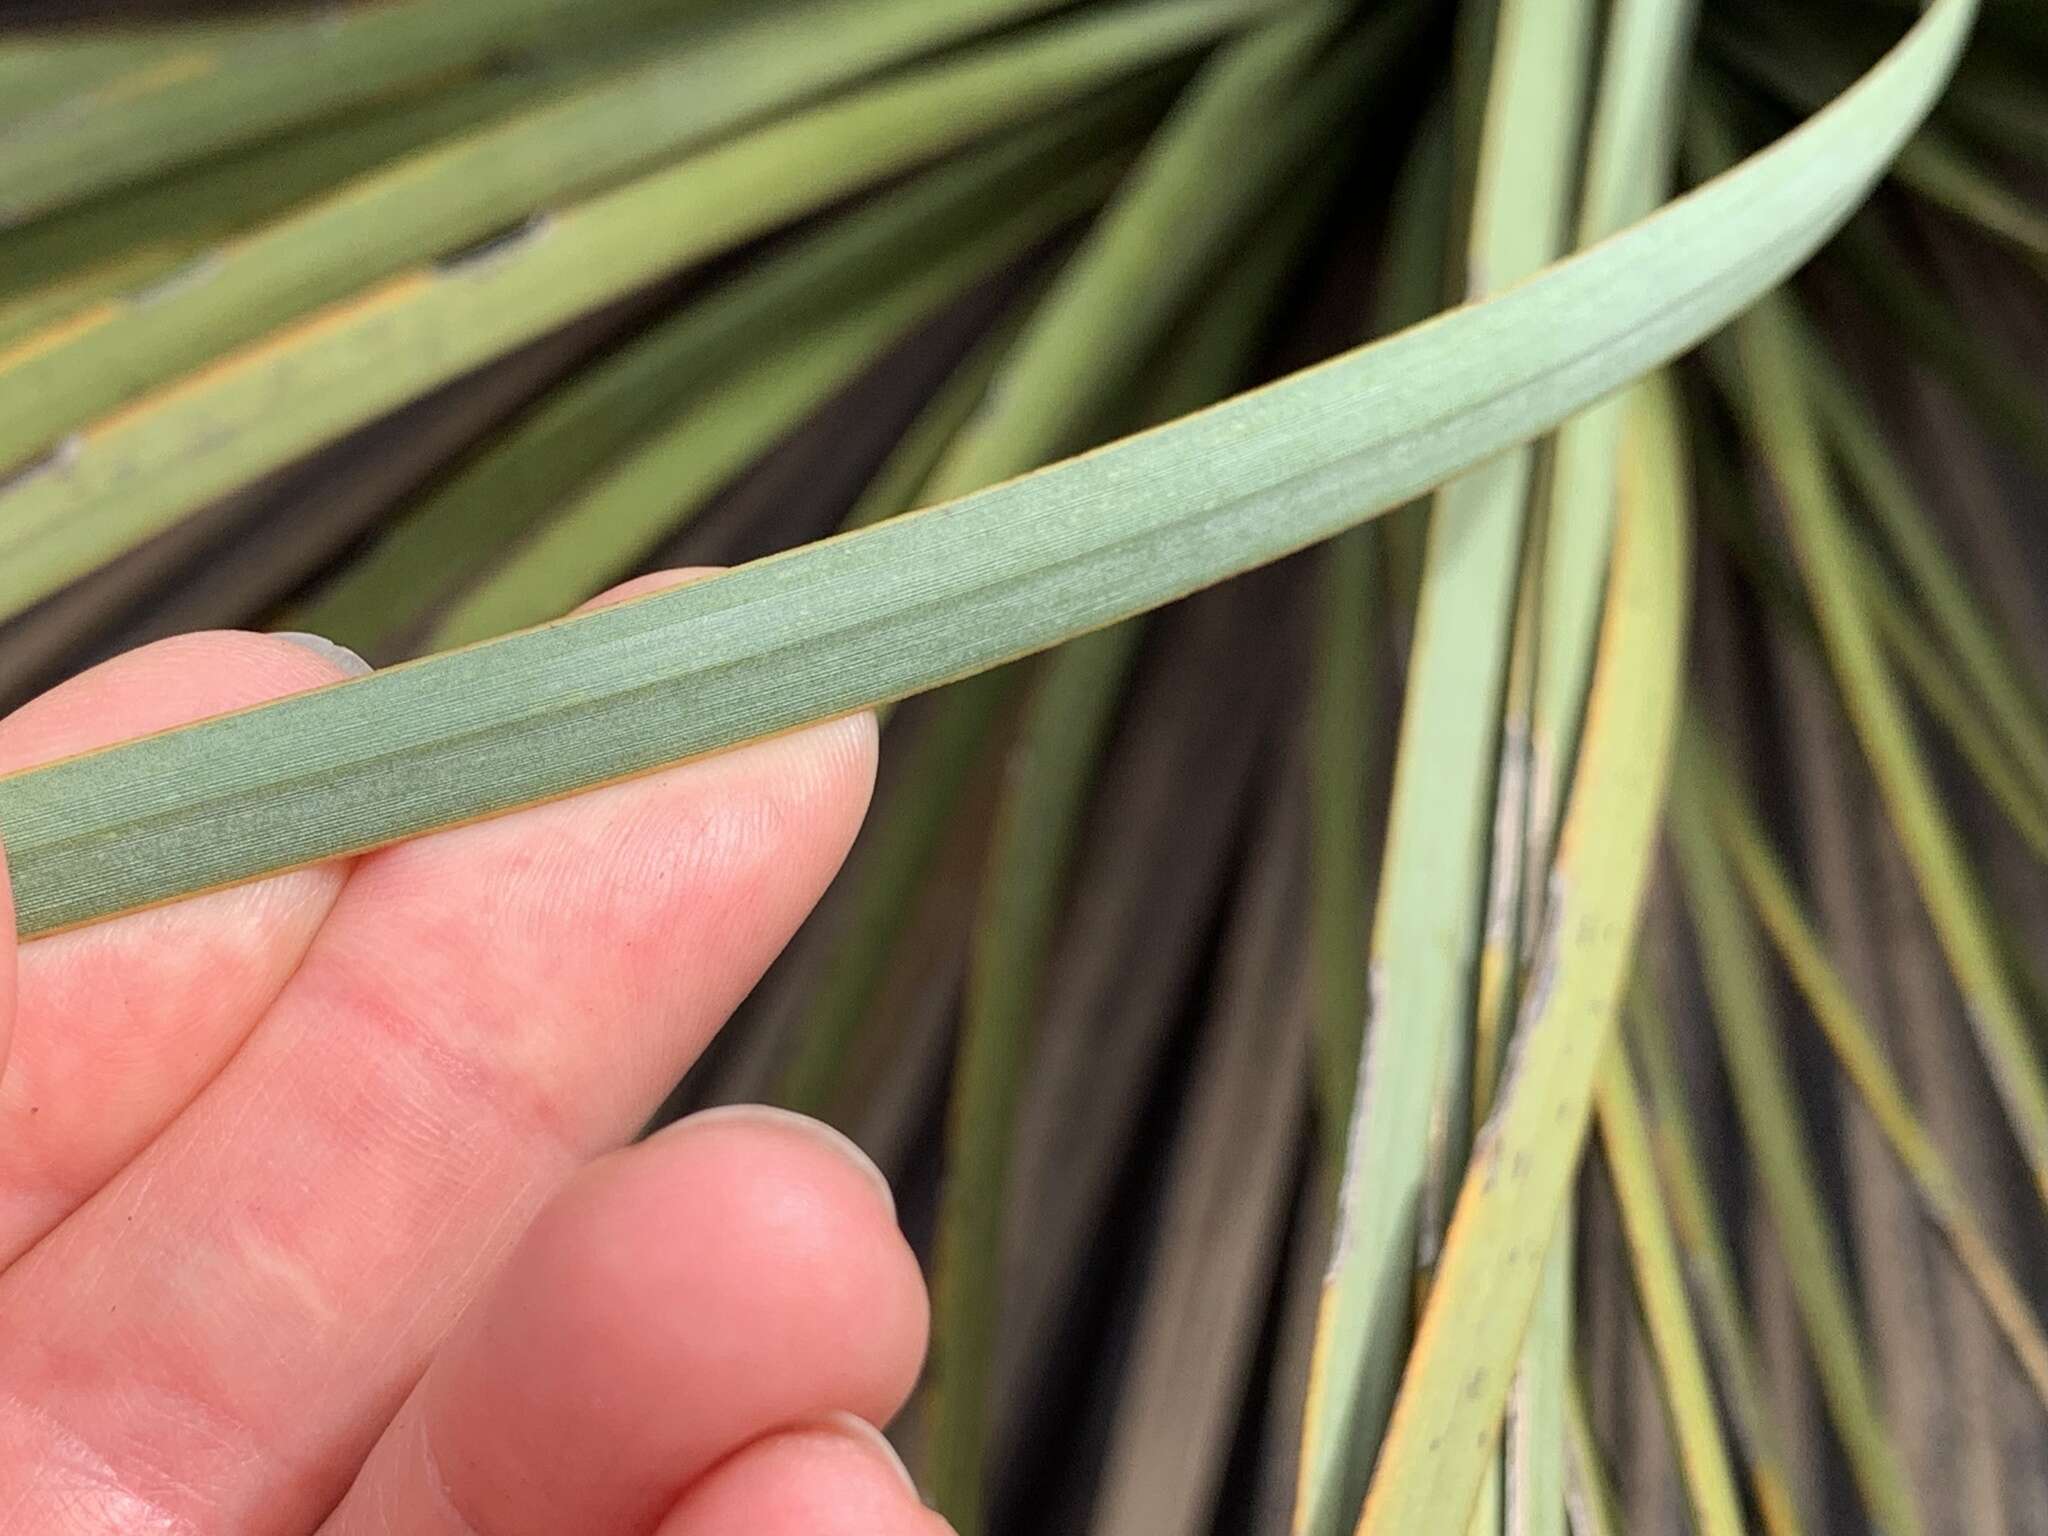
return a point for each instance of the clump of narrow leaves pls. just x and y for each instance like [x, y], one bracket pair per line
[1524, 1013]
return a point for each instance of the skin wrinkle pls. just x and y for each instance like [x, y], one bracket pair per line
[118, 1489]
[498, 1241]
[427, 1068]
[99, 1498]
[47, 1186]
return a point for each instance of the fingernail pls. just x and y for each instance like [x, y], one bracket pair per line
[856, 1428]
[341, 656]
[803, 1125]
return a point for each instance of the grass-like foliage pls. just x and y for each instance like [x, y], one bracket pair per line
[1451, 940]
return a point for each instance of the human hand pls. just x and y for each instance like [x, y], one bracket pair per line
[310, 1217]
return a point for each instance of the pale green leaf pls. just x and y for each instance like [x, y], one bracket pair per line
[907, 833]
[172, 450]
[609, 525]
[1411, 1112]
[922, 599]
[679, 376]
[1455, 1384]
[1061, 374]
[1350, 759]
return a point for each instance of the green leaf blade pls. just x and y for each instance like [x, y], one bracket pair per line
[923, 599]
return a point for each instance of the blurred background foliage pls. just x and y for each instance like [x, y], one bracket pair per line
[1096, 984]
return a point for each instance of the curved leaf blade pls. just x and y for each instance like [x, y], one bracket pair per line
[923, 599]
